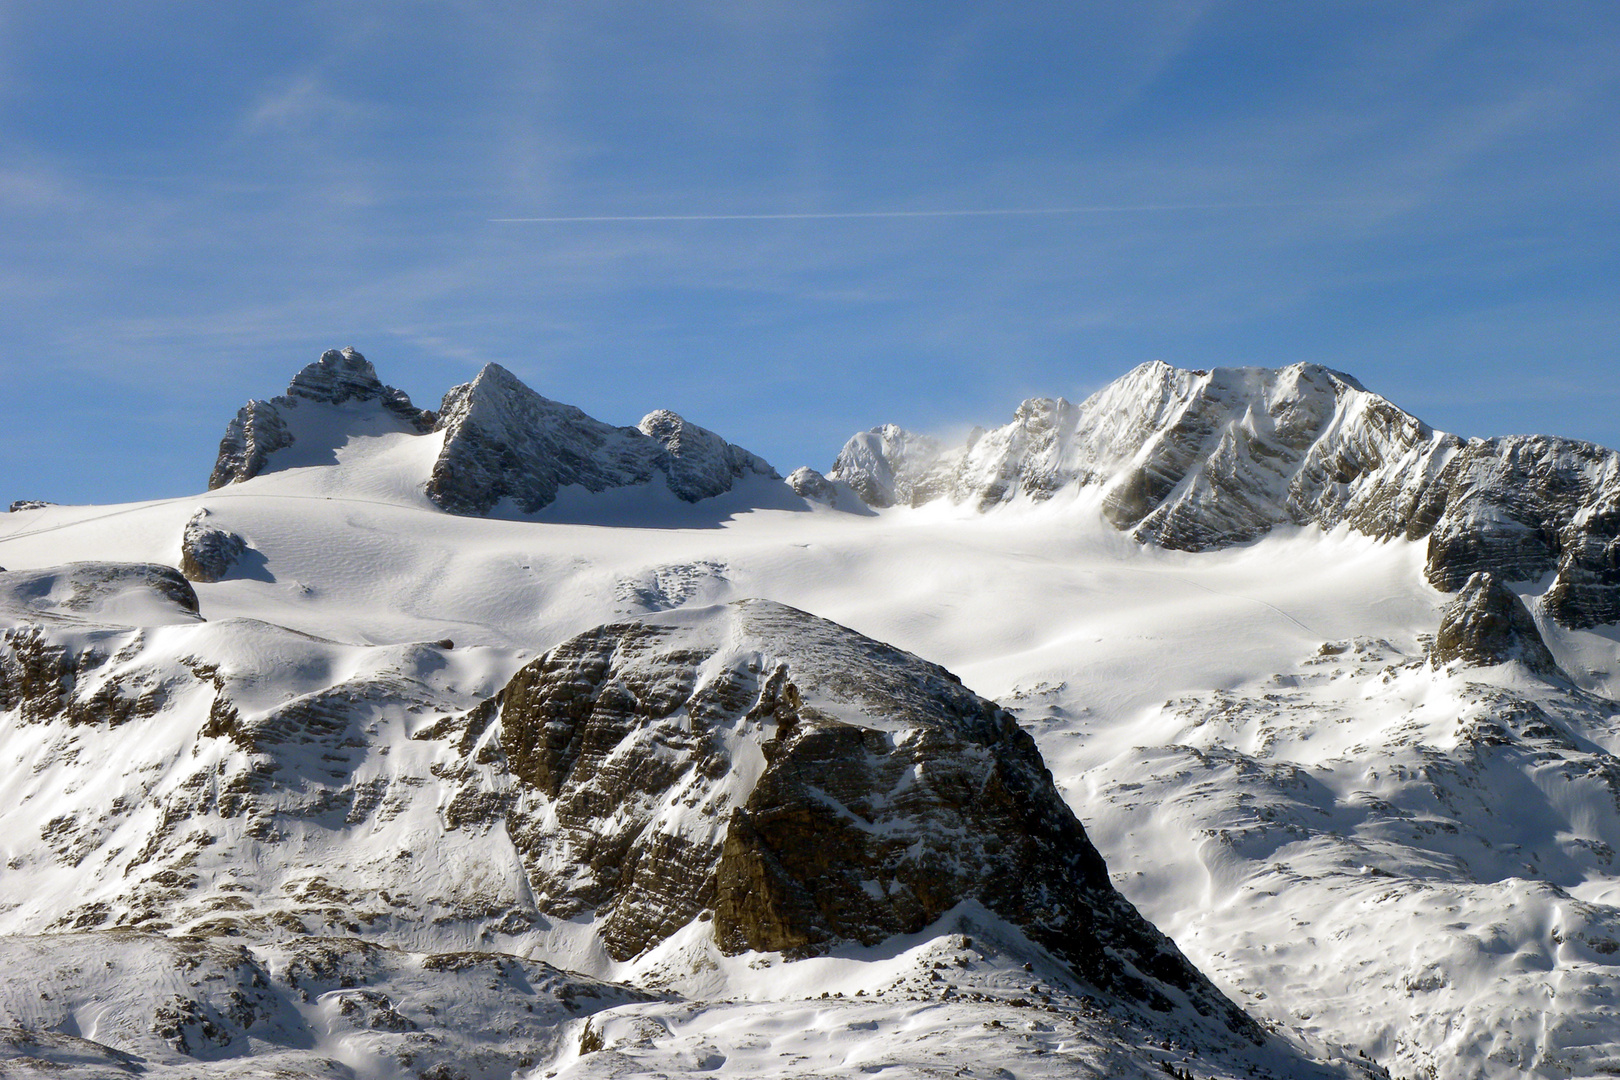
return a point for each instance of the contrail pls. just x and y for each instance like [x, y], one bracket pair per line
[862, 214]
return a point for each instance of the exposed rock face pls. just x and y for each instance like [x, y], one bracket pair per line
[701, 464]
[1194, 460]
[889, 465]
[48, 675]
[257, 432]
[262, 427]
[807, 785]
[342, 375]
[810, 484]
[208, 552]
[1488, 624]
[503, 441]
[29, 504]
[1526, 506]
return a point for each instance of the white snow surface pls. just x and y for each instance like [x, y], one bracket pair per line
[1380, 859]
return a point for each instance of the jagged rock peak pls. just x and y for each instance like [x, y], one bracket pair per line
[1143, 436]
[890, 466]
[799, 785]
[504, 442]
[1194, 460]
[262, 428]
[1488, 624]
[345, 375]
[505, 447]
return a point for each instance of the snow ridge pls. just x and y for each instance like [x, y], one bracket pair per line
[1195, 460]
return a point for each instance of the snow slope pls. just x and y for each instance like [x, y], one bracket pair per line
[1374, 854]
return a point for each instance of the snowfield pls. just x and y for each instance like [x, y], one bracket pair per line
[1387, 862]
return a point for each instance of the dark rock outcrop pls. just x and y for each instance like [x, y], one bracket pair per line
[208, 552]
[1195, 460]
[806, 785]
[1527, 506]
[29, 504]
[504, 441]
[1488, 624]
[46, 675]
[339, 377]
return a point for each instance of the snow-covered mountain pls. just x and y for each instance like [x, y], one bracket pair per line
[306, 775]
[1194, 460]
[498, 447]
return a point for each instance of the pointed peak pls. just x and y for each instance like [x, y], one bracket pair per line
[493, 384]
[495, 373]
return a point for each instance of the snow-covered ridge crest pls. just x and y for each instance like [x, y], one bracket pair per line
[504, 447]
[504, 441]
[1194, 460]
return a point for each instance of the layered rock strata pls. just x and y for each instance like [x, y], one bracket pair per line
[798, 785]
[1488, 624]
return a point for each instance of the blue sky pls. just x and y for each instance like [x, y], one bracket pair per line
[197, 198]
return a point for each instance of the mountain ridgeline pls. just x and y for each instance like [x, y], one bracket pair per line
[504, 446]
[1197, 460]
[325, 774]
[1184, 459]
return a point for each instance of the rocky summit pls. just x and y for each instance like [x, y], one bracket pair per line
[503, 441]
[341, 377]
[1195, 460]
[501, 447]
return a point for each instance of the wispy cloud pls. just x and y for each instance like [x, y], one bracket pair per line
[304, 104]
